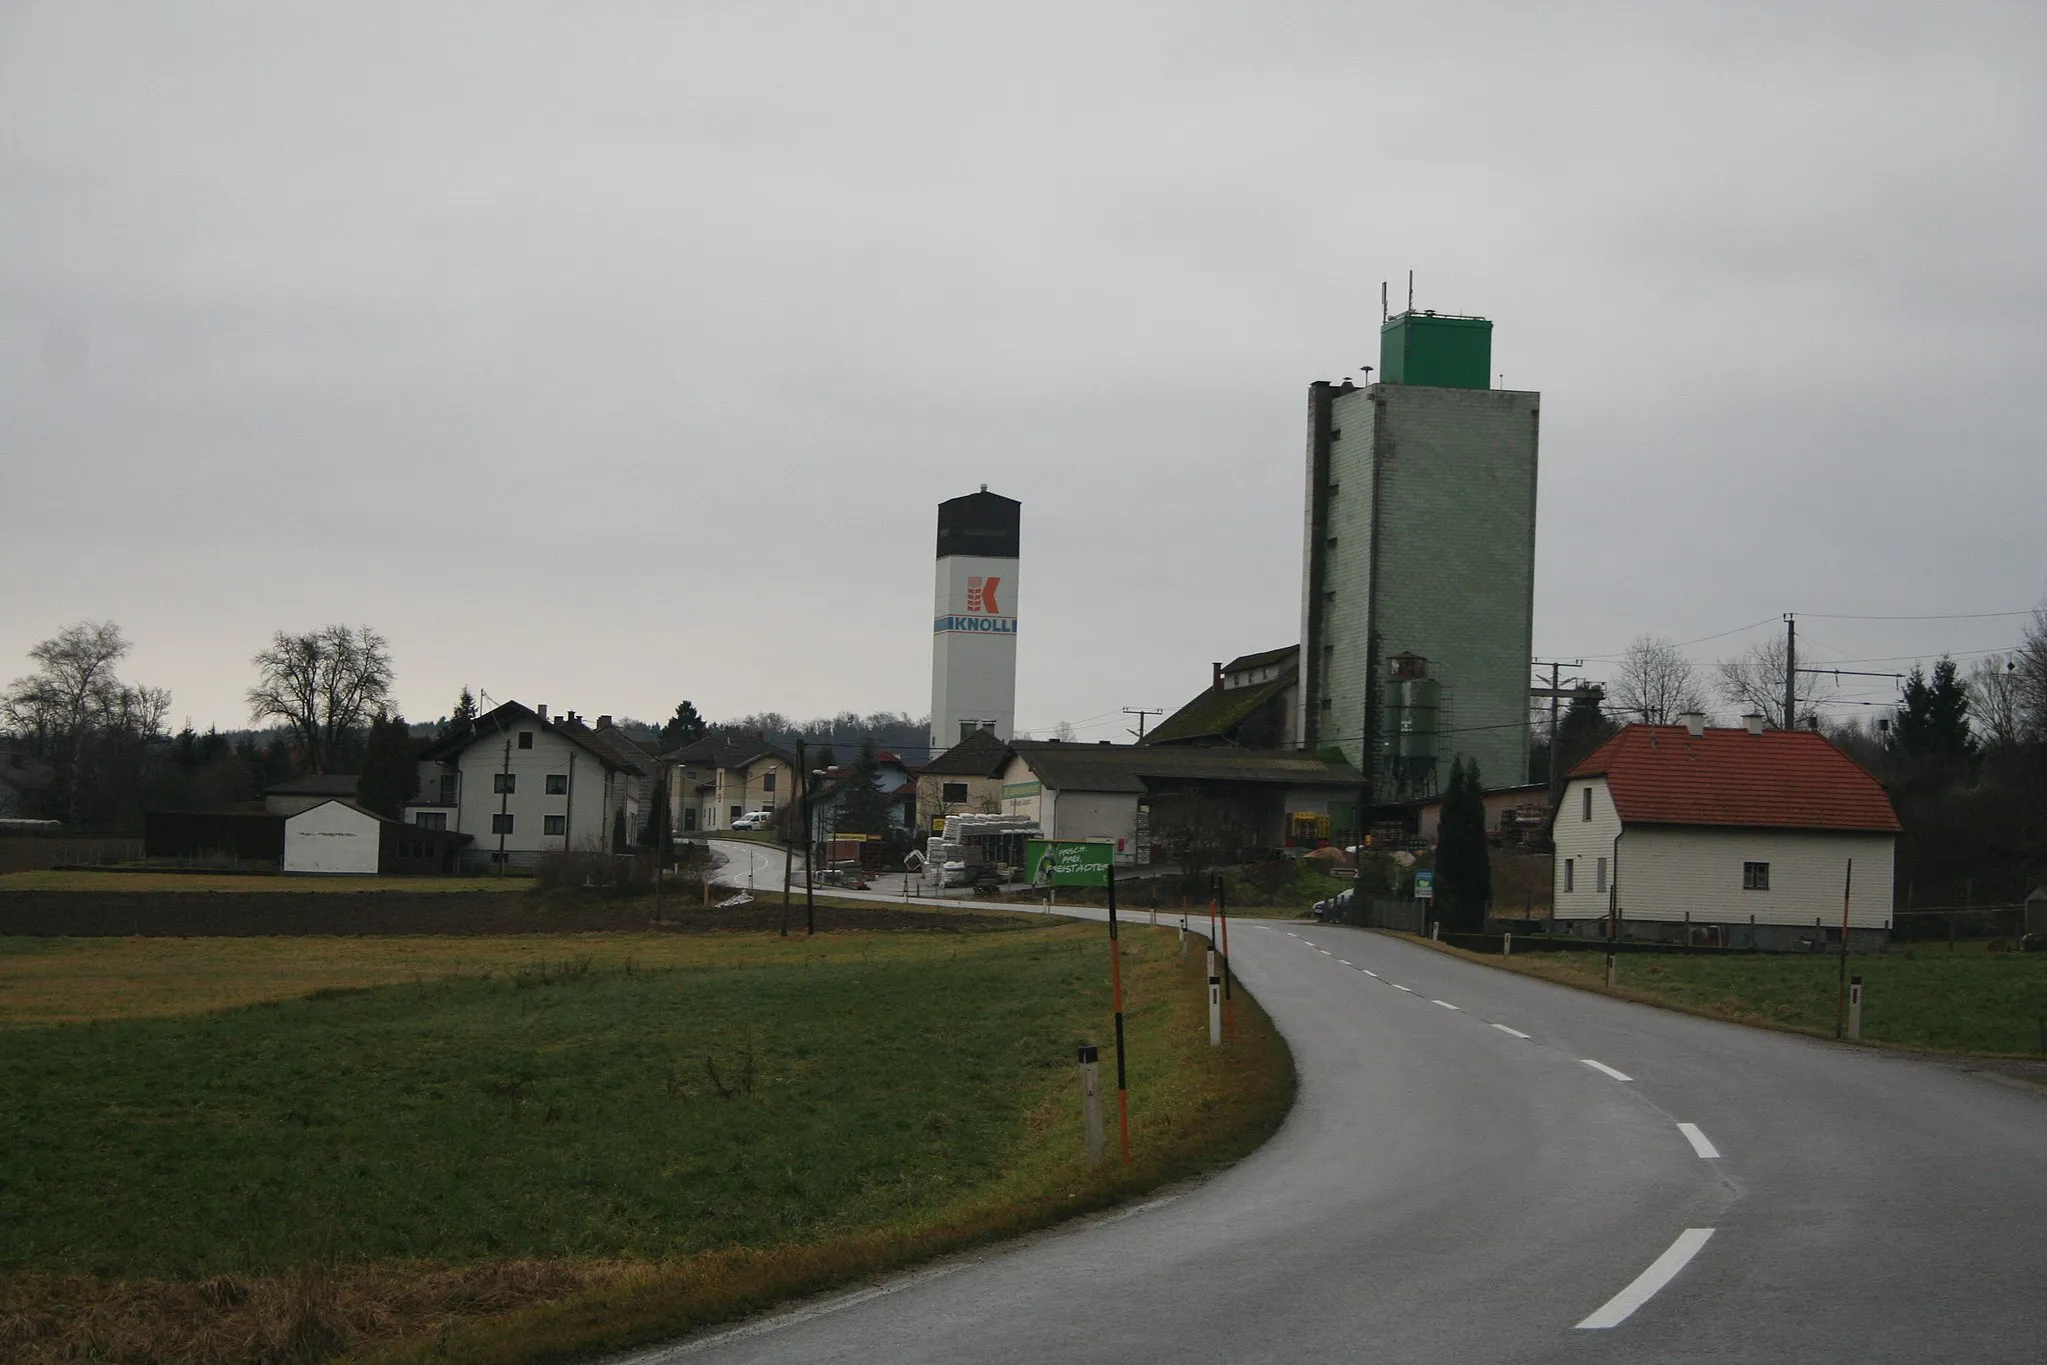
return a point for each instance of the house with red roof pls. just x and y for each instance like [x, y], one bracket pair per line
[1743, 837]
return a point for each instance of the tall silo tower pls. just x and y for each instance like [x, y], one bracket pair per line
[1418, 575]
[973, 639]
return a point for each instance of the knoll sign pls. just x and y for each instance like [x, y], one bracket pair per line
[1068, 862]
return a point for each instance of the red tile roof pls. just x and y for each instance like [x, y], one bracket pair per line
[1780, 779]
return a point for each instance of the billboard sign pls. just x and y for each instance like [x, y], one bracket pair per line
[1424, 884]
[1068, 862]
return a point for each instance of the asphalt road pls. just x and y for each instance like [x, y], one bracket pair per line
[1463, 1185]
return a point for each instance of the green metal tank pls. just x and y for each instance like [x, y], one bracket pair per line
[1436, 349]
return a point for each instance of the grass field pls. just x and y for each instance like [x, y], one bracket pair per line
[1918, 997]
[525, 1149]
[159, 882]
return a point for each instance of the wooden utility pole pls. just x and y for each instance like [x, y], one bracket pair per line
[1140, 712]
[1790, 671]
[809, 848]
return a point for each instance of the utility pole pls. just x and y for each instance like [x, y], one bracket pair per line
[1790, 671]
[809, 848]
[1140, 712]
[1555, 693]
[504, 803]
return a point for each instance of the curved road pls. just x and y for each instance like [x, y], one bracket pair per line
[1459, 1183]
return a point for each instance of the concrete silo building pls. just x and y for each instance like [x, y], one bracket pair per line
[1418, 582]
[973, 628]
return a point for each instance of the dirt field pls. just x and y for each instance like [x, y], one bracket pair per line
[229, 914]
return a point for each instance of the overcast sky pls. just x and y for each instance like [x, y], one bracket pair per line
[609, 354]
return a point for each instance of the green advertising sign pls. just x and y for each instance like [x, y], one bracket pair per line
[1068, 862]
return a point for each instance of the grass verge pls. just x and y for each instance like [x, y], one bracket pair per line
[162, 882]
[1926, 998]
[532, 1151]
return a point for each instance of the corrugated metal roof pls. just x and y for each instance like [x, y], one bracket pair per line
[1779, 779]
[1131, 767]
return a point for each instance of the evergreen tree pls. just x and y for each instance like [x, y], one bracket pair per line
[464, 716]
[657, 834]
[861, 808]
[1930, 729]
[1464, 876]
[826, 758]
[684, 727]
[390, 770]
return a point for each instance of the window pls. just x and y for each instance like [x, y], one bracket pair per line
[1755, 876]
[504, 784]
[447, 789]
[954, 794]
[430, 819]
[555, 824]
[557, 784]
[501, 823]
[1599, 882]
[1570, 874]
[525, 739]
[1587, 815]
[737, 811]
[767, 782]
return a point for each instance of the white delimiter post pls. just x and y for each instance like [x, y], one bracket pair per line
[1091, 1101]
[974, 618]
[1854, 1007]
[1215, 1003]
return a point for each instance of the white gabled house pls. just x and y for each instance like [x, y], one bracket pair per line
[523, 786]
[1738, 836]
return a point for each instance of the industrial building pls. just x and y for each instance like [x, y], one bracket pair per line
[1418, 569]
[974, 617]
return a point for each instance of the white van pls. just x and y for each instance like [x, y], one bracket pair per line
[755, 819]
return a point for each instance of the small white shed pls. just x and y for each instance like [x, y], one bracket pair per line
[333, 837]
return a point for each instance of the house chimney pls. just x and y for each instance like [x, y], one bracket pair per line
[604, 722]
[1754, 721]
[1694, 723]
[1217, 681]
[541, 711]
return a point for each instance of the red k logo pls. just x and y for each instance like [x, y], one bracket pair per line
[981, 595]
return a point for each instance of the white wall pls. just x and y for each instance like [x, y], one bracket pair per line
[1586, 842]
[1666, 871]
[973, 671]
[1097, 815]
[587, 805]
[331, 838]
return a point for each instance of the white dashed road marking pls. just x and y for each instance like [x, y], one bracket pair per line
[1444, 1003]
[1700, 1142]
[1369, 972]
[1661, 1272]
[1398, 987]
[1603, 1067]
[1515, 1031]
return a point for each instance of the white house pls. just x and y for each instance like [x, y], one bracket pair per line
[1740, 836]
[332, 837]
[719, 778]
[1142, 796]
[524, 786]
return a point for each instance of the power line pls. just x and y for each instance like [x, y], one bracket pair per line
[1943, 616]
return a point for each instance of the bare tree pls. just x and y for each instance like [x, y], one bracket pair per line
[77, 713]
[1997, 701]
[1656, 683]
[1754, 681]
[324, 685]
[2030, 676]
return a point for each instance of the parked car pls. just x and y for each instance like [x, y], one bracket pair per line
[839, 876]
[755, 819]
[1334, 907]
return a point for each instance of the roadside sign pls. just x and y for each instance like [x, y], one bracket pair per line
[1068, 862]
[1424, 883]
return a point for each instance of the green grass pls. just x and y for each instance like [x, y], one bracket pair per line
[157, 882]
[1916, 997]
[547, 1129]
